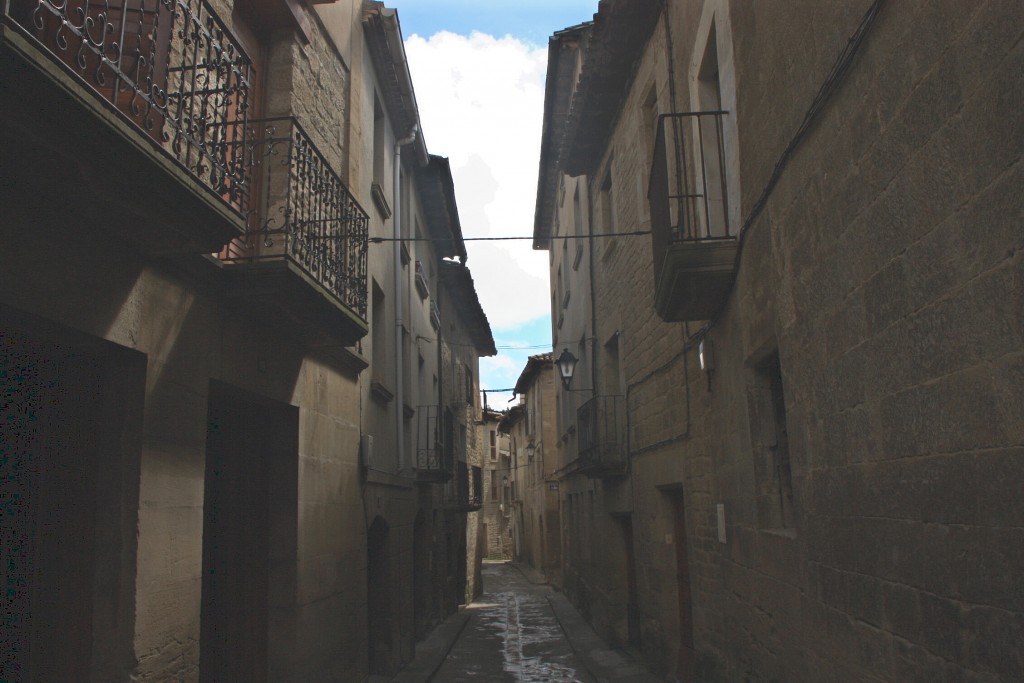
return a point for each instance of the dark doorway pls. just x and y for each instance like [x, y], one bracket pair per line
[421, 562]
[70, 418]
[632, 594]
[686, 666]
[378, 598]
[250, 497]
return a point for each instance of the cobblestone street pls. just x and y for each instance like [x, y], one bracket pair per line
[512, 635]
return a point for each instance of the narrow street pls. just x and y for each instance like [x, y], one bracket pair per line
[512, 635]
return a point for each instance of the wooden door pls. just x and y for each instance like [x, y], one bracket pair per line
[234, 622]
[686, 662]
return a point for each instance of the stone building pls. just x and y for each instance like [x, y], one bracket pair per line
[497, 489]
[212, 374]
[786, 250]
[530, 426]
[464, 338]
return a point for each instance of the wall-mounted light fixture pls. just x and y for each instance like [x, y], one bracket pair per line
[566, 366]
[531, 449]
[706, 356]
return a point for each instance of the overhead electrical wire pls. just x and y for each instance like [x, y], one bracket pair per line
[381, 240]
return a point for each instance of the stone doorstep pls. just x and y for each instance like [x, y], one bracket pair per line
[605, 664]
[432, 650]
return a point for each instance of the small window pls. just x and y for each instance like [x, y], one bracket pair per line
[773, 474]
[606, 200]
[379, 331]
[379, 148]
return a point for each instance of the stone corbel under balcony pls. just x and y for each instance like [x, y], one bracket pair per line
[695, 279]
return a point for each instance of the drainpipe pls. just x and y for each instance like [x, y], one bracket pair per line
[396, 228]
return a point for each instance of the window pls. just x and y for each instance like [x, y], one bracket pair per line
[407, 361]
[577, 212]
[564, 275]
[378, 331]
[770, 437]
[612, 375]
[607, 204]
[494, 445]
[379, 148]
[478, 483]
[648, 129]
[709, 91]
[581, 364]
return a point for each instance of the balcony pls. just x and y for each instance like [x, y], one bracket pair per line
[694, 244]
[303, 260]
[129, 115]
[462, 494]
[422, 286]
[435, 316]
[601, 437]
[434, 459]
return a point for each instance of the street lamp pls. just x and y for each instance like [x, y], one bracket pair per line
[566, 365]
[531, 448]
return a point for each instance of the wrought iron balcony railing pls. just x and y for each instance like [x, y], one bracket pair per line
[435, 315]
[422, 285]
[601, 437]
[464, 492]
[171, 68]
[434, 461]
[694, 243]
[687, 191]
[306, 215]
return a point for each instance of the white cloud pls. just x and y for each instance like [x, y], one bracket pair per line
[481, 102]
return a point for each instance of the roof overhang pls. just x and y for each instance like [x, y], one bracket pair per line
[458, 282]
[621, 31]
[534, 365]
[387, 50]
[512, 416]
[563, 48]
[437, 195]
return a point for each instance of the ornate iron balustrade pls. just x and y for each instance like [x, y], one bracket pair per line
[435, 315]
[306, 215]
[694, 244]
[170, 67]
[433, 460]
[687, 191]
[601, 446]
[422, 285]
[464, 493]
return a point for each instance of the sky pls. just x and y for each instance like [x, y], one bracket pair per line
[478, 68]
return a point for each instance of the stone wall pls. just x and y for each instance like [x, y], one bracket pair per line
[885, 273]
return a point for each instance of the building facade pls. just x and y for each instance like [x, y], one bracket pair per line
[535, 500]
[212, 373]
[786, 252]
[497, 491]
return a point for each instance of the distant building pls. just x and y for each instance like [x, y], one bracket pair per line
[530, 426]
[498, 478]
[786, 253]
[212, 377]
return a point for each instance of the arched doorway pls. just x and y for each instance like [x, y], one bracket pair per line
[378, 598]
[421, 575]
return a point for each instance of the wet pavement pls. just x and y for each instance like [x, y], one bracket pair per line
[513, 635]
